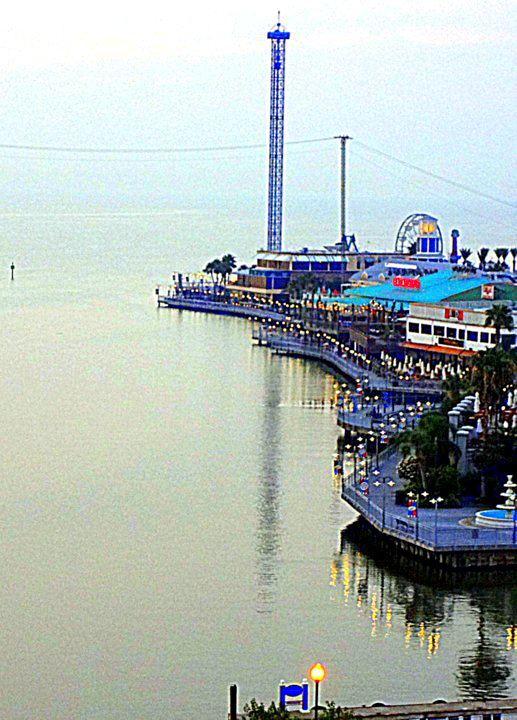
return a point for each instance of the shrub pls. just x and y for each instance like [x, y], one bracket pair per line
[333, 712]
[258, 711]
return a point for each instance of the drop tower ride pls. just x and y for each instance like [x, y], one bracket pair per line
[278, 36]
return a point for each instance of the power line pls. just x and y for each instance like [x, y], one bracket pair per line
[448, 199]
[150, 151]
[223, 148]
[454, 183]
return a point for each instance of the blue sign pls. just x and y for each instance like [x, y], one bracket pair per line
[294, 694]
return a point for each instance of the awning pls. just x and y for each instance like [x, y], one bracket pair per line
[438, 349]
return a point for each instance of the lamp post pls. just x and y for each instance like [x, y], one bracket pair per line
[436, 502]
[385, 481]
[377, 438]
[317, 673]
[376, 474]
[514, 519]
[417, 497]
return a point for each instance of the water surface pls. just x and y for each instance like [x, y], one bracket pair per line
[170, 521]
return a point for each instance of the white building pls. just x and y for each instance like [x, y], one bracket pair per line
[442, 328]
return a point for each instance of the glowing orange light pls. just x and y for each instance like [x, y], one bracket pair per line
[317, 672]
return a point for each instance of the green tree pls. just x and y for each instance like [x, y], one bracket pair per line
[454, 390]
[429, 443]
[465, 254]
[229, 264]
[482, 255]
[258, 711]
[501, 256]
[492, 371]
[513, 252]
[210, 268]
[335, 712]
[499, 317]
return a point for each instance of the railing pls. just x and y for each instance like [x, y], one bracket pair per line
[326, 352]
[428, 534]
[218, 307]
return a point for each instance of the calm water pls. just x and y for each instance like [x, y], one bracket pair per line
[169, 519]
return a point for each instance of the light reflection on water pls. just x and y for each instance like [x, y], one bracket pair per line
[422, 608]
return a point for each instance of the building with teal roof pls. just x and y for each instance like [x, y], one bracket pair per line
[440, 286]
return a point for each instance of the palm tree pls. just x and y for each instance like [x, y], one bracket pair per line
[465, 254]
[499, 317]
[429, 443]
[294, 287]
[513, 252]
[229, 263]
[492, 371]
[210, 268]
[501, 255]
[482, 255]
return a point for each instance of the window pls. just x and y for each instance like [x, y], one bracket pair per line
[472, 335]
[461, 334]
[439, 330]
[451, 332]
[492, 339]
[413, 327]
[484, 337]
[426, 329]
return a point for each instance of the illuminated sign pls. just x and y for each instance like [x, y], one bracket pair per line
[488, 292]
[426, 228]
[408, 283]
[294, 694]
[452, 342]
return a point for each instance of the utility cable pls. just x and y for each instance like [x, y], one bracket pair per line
[436, 176]
[150, 151]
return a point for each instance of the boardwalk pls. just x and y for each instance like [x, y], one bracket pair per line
[432, 531]
[370, 380]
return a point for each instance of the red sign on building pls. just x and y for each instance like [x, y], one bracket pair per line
[453, 313]
[408, 283]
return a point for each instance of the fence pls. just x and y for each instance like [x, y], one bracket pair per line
[328, 353]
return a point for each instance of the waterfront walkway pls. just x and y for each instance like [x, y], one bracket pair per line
[436, 530]
[371, 382]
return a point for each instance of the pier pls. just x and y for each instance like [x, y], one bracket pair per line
[437, 537]
[327, 352]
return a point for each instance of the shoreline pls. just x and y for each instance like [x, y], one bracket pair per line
[442, 546]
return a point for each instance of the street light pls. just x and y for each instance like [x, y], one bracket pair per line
[385, 481]
[376, 474]
[417, 497]
[435, 502]
[317, 673]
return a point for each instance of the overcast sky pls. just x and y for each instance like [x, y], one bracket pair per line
[428, 81]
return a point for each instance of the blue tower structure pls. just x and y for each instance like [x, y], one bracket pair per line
[278, 36]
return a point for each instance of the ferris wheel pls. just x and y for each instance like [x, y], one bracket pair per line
[414, 227]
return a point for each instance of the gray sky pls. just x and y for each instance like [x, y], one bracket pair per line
[428, 81]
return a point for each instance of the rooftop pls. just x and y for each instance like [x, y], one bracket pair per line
[435, 287]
